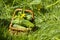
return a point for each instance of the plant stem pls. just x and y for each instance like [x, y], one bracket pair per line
[53, 4]
[13, 2]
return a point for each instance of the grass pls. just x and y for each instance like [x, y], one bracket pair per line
[46, 19]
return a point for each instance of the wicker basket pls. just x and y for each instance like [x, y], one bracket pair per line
[11, 28]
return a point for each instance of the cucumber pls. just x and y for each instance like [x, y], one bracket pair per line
[18, 26]
[29, 17]
[27, 23]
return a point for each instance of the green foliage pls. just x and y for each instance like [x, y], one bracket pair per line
[48, 23]
[35, 2]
